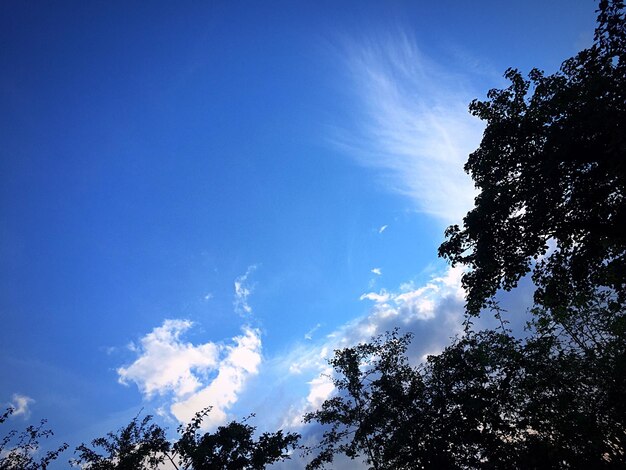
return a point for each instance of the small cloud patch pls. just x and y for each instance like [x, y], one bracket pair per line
[21, 405]
[243, 289]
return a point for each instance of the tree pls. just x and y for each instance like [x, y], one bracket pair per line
[488, 401]
[551, 169]
[455, 411]
[552, 180]
[231, 447]
[371, 415]
[142, 444]
[505, 403]
[19, 450]
[139, 445]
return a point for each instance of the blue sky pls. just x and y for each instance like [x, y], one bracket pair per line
[200, 200]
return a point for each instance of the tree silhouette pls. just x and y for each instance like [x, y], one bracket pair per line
[551, 169]
[20, 450]
[488, 401]
[551, 174]
[142, 444]
[231, 447]
[139, 445]
[372, 413]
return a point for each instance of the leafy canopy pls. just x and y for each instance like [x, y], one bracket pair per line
[21, 450]
[231, 447]
[371, 413]
[551, 175]
[551, 171]
[488, 401]
[143, 445]
[140, 444]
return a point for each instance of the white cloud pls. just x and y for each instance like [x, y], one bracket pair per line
[192, 377]
[376, 271]
[383, 228]
[243, 291]
[433, 312]
[242, 360]
[420, 303]
[21, 405]
[309, 334]
[166, 364]
[382, 296]
[320, 388]
[415, 125]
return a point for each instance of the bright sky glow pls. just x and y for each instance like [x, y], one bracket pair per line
[200, 201]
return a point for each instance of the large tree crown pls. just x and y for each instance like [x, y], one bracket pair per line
[551, 172]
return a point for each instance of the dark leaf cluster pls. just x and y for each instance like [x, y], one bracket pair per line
[231, 447]
[551, 174]
[143, 445]
[551, 171]
[140, 444]
[21, 450]
[488, 401]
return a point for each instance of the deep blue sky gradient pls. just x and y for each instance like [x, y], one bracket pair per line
[153, 151]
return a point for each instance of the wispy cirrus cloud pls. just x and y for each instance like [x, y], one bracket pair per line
[243, 289]
[309, 334]
[413, 124]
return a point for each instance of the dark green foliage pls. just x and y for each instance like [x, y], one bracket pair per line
[488, 401]
[449, 413]
[19, 450]
[371, 415]
[140, 445]
[552, 167]
[231, 447]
